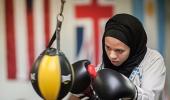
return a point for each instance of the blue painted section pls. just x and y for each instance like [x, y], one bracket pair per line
[79, 39]
[161, 25]
[138, 9]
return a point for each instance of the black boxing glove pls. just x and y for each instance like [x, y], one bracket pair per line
[84, 71]
[82, 79]
[111, 85]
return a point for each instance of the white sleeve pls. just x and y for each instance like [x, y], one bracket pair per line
[153, 80]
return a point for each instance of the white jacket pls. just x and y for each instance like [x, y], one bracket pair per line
[149, 76]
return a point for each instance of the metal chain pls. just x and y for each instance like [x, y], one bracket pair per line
[62, 6]
[60, 19]
[60, 16]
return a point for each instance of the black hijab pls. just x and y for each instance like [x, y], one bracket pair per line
[130, 31]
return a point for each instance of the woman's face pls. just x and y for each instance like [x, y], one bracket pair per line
[117, 51]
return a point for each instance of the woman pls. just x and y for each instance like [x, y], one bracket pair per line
[124, 50]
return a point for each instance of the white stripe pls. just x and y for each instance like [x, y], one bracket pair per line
[150, 23]
[102, 23]
[106, 2]
[54, 9]
[68, 31]
[82, 2]
[87, 50]
[21, 39]
[3, 65]
[126, 7]
[39, 26]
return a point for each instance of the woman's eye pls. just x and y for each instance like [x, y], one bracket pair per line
[119, 51]
[108, 48]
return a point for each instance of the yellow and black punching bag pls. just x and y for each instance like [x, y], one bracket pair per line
[52, 75]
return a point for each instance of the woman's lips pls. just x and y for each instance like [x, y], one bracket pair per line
[114, 61]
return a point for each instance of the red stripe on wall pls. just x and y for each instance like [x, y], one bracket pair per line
[10, 39]
[95, 12]
[46, 21]
[30, 30]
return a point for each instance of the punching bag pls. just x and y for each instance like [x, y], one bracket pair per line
[52, 75]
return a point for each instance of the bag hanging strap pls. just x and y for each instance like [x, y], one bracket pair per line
[56, 34]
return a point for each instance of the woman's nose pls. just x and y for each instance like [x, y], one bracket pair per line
[113, 55]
